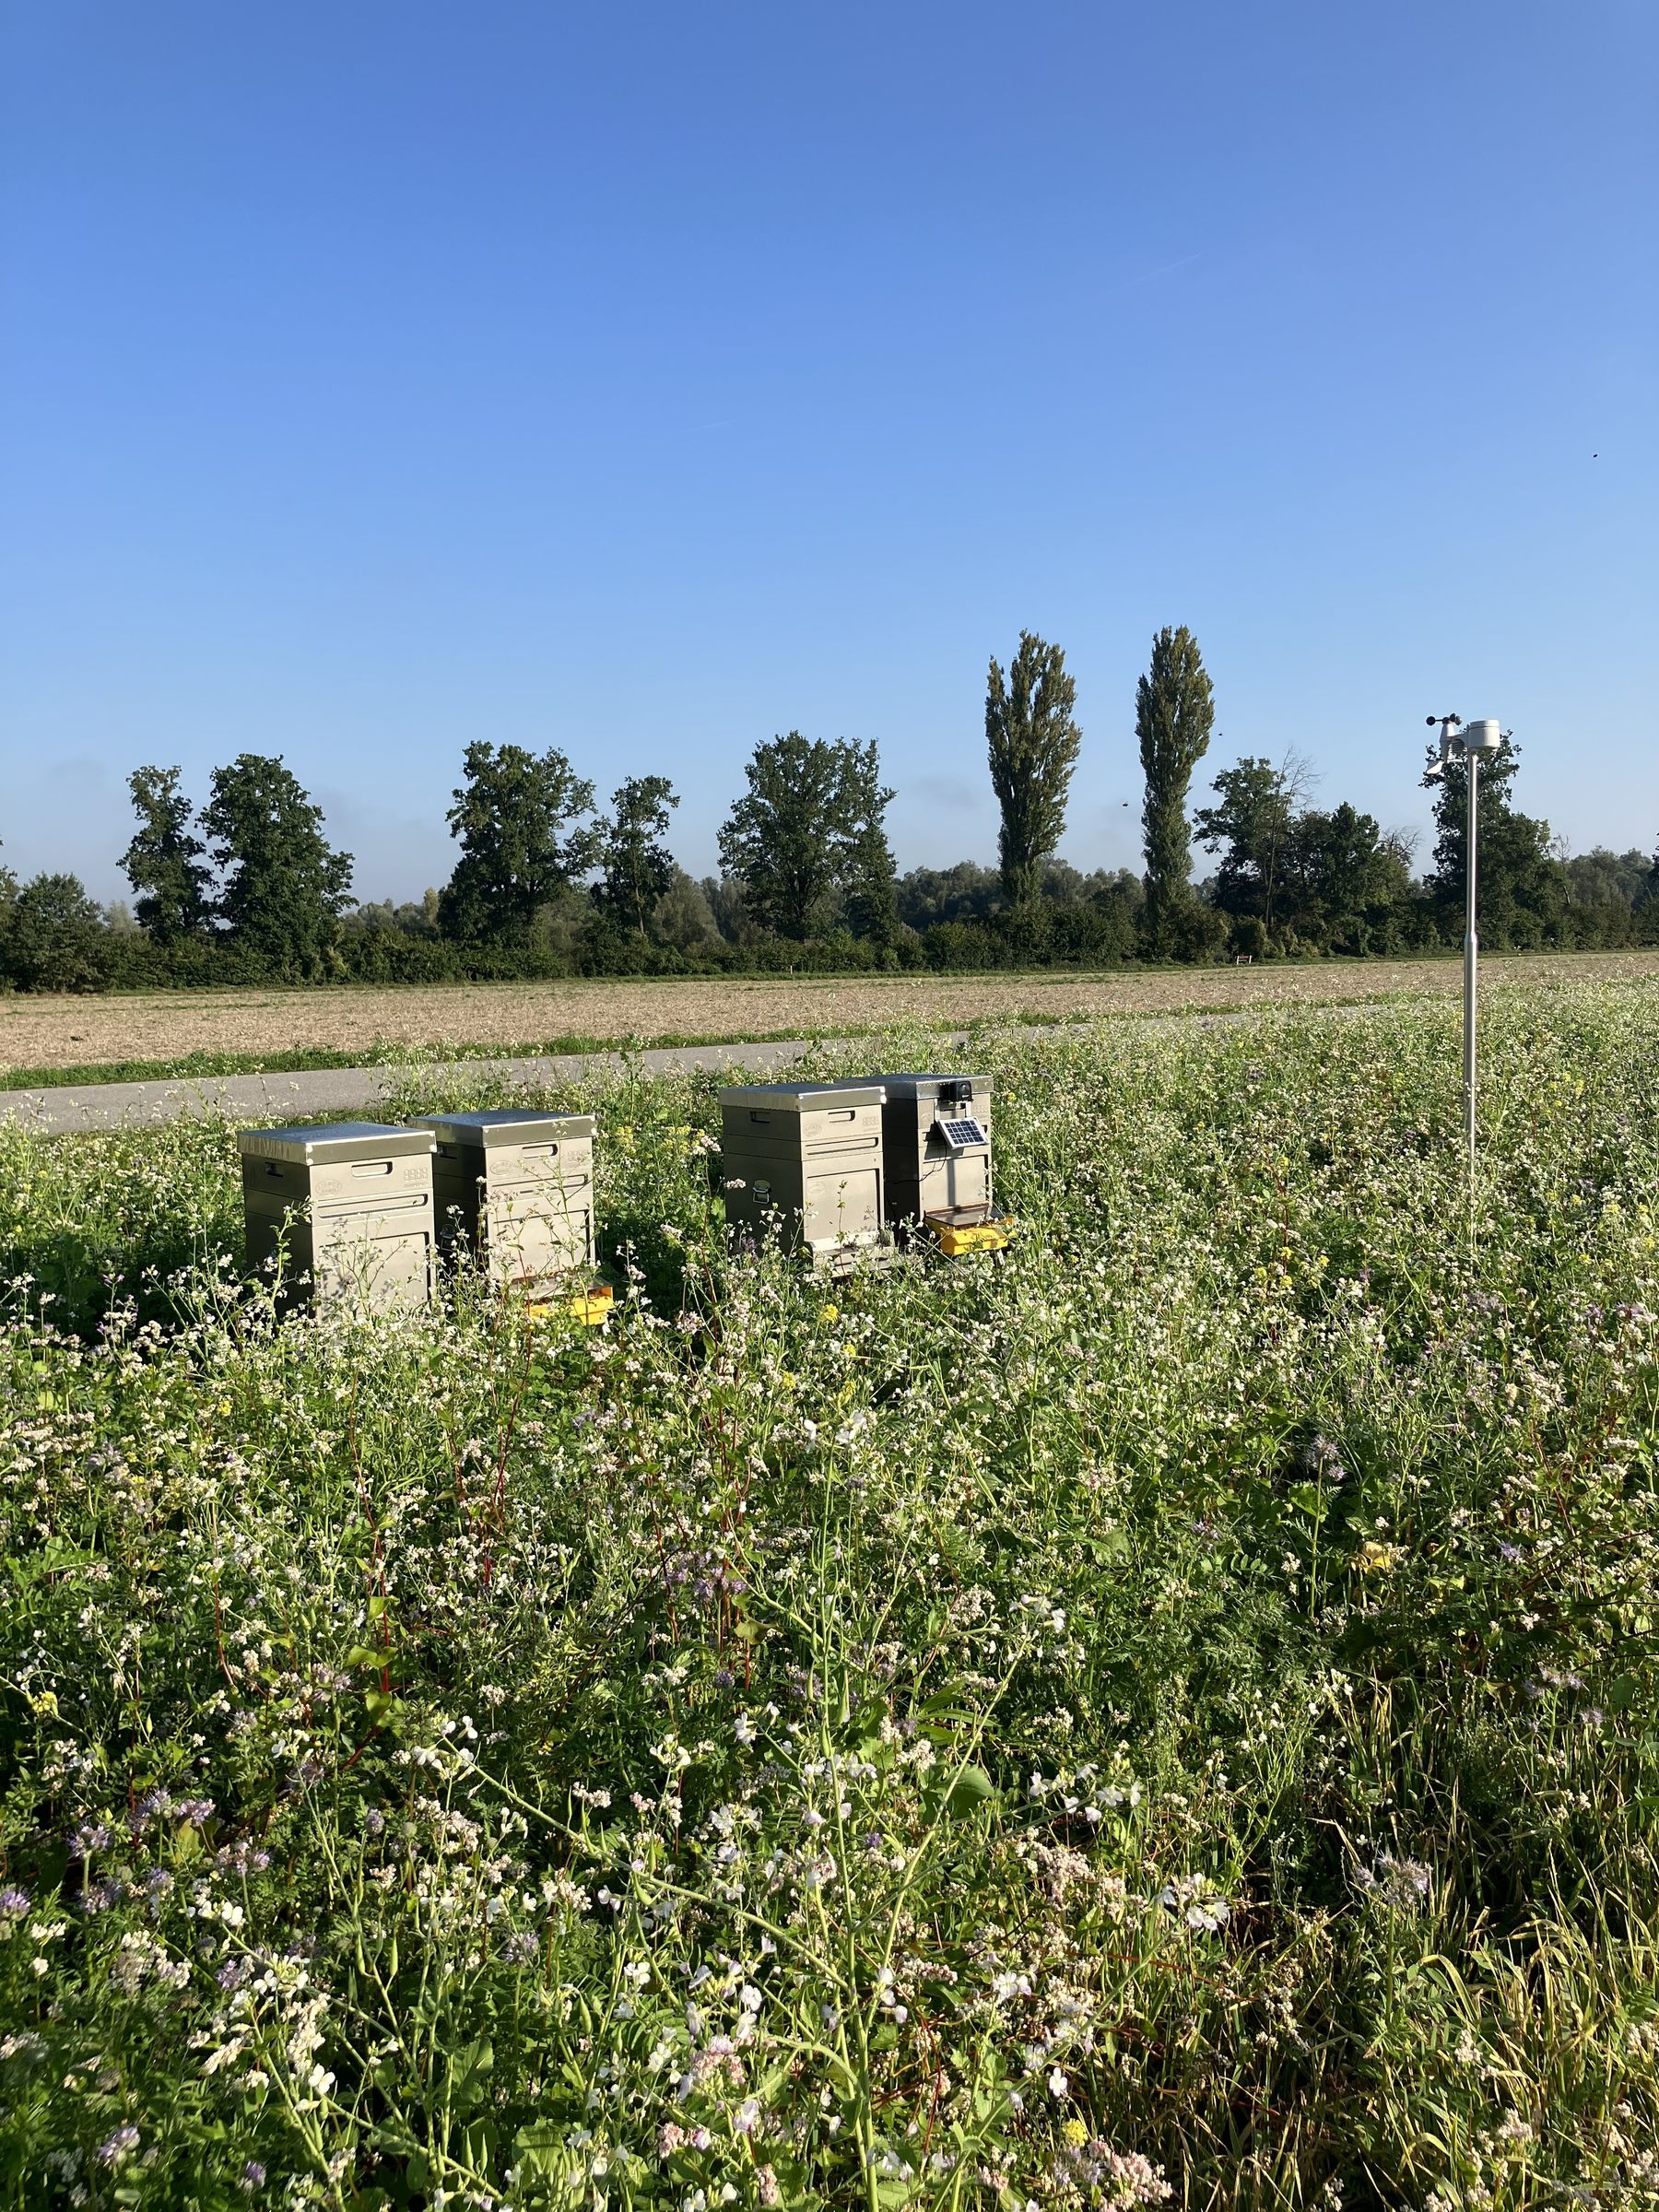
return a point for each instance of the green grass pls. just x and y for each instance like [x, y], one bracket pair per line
[1166, 1708]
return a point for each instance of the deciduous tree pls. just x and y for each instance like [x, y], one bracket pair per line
[285, 887]
[55, 936]
[1347, 888]
[810, 823]
[1521, 888]
[869, 875]
[167, 863]
[683, 917]
[1250, 826]
[636, 867]
[518, 817]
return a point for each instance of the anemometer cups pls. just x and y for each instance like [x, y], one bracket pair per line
[1468, 740]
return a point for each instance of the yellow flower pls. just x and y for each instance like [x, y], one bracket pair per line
[1074, 2131]
[1376, 1559]
[828, 1314]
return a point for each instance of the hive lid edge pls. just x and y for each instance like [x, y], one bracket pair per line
[506, 1126]
[342, 1140]
[913, 1084]
[797, 1097]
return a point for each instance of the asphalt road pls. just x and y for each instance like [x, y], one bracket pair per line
[313, 1092]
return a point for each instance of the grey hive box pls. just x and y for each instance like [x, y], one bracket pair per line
[353, 1203]
[516, 1184]
[811, 1154]
[935, 1164]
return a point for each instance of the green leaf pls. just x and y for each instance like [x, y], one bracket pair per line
[864, 1729]
[468, 2067]
[541, 2154]
[973, 1788]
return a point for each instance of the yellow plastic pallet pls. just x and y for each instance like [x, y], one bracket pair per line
[985, 1236]
[589, 1306]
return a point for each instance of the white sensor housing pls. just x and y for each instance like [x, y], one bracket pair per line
[1482, 738]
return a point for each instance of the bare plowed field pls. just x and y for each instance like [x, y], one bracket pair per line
[40, 1032]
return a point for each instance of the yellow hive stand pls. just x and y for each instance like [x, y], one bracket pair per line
[589, 1306]
[969, 1229]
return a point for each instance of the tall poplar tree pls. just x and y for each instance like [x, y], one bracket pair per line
[1032, 741]
[1174, 711]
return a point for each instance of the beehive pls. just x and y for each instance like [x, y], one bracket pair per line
[516, 1187]
[936, 1133]
[352, 1205]
[805, 1159]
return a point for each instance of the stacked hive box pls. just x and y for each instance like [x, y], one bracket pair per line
[353, 1205]
[517, 1187]
[805, 1159]
[935, 1134]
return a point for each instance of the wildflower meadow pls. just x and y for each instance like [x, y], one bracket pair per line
[1163, 1714]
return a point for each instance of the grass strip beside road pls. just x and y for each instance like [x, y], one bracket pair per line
[209, 1066]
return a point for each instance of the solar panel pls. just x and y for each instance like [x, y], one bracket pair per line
[959, 1135]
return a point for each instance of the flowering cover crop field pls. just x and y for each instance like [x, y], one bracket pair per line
[1161, 1714]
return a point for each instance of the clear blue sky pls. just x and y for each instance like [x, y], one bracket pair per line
[645, 380]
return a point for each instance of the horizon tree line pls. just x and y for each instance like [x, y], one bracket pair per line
[806, 861]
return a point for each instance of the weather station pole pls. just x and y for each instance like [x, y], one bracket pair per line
[1472, 742]
[1471, 957]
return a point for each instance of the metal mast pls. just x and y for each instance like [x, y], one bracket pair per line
[1472, 742]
